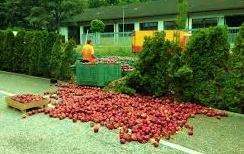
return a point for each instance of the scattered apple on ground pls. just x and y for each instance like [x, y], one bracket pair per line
[138, 118]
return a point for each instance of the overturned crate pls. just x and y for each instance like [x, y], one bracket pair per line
[25, 106]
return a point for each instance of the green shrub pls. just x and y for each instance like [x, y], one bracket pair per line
[66, 71]
[43, 58]
[36, 52]
[2, 37]
[234, 82]
[7, 49]
[25, 65]
[153, 68]
[206, 55]
[18, 50]
[120, 86]
[56, 58]
[123, 88]
[50, 39]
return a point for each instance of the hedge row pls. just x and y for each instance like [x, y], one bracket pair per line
[37, 53]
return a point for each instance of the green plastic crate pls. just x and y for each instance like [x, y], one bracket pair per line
[97, 74]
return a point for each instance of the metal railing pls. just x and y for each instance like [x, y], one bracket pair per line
[124, 39]
[108, 39]
[232, 34]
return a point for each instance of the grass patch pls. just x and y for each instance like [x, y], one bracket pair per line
[106, 51]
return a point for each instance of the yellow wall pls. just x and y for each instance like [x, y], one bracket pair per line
[138, 36]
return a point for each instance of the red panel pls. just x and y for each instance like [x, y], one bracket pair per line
[136, 48]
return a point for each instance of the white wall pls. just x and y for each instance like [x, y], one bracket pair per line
[81, 33]
[116, 27]
[137, 26]
[189, 23]
[160, 25]
[64, 31]
[221, 20]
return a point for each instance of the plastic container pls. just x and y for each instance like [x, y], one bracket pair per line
[99, 74]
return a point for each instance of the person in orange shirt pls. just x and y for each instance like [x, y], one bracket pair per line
[87, 53]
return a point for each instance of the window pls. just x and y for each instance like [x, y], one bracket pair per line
[170, 25]
[204, 22]
[85, 28]
[109, 28]
[127, 27]
[74, 32]
[149, 26]
[234, 21]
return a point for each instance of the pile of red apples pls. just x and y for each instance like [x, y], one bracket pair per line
[27, 98]
[137, 118]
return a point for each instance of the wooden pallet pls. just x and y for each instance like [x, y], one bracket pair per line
[23, 107]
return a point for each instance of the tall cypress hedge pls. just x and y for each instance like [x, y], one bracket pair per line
[207, 56]
[56, 58]
[25, 57]
[36, 53]
[153, 71]
[50, 39]
[2, 37]
[18, 50]
[66, 72]
[234, 82]
[7, 51]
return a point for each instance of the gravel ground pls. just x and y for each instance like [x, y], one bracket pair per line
[40, 134]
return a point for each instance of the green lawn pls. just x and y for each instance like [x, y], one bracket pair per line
[105, 51]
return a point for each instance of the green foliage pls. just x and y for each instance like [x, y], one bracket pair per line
[99, 3]
[50, 39]
[3, 14]
[56, 58]
[17, 11]
[36, 52]
[234, 82]
[152, 70]
[206, 55]
[96, 3]
[41, 14]
[25, 65]
[97, 25]
[182, 17]
[59, 10]
[7, 49]
[44, 55]
[123, 88]
[18, 49]
[38, 20]
[120, 86]
[66, 71]
[2, 37]
[239, 42]
[181, 76]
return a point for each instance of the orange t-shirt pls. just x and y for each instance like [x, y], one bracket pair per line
[88, 53]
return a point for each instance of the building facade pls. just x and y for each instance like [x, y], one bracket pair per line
[156, 15]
